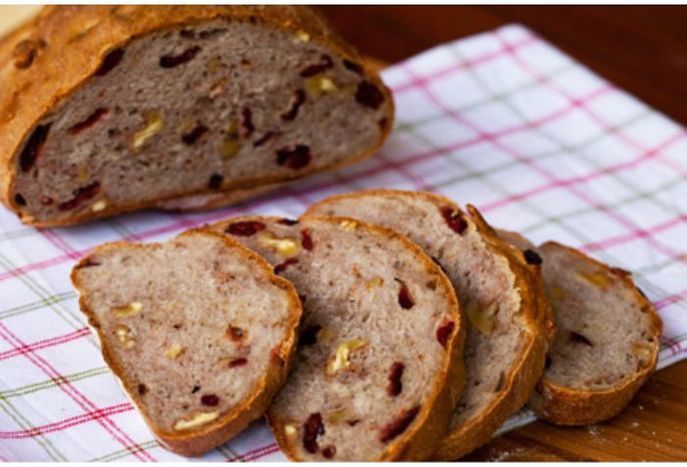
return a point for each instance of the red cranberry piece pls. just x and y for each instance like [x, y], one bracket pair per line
[329, 451]
[194, 135]
[81, 194]
[89, 121]
[306, 240]
[110, 61]
[235, 333]
[309, 335]
[19, 200]
[171, 61]
[399, 425]
[369, 95]
[247, 122]
[444, 331]
[295, 157]
[245, 228]
[405, 299]
[215, 181]
[353, 66]
[312, 428]
[580, 339]
[211, 400]
[298, 100]
[532, 257]
[238, 362]
[265, 138]
[142, 389]
[46, 200]
[312, 70]
[395, 386]
[33, 146]
[454, 219]
[286, 221]
[281, 267]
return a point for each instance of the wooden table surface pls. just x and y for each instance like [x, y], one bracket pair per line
[641, 49]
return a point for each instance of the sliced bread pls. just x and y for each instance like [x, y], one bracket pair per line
[608, 337]
[508, 329]
[198, 330]
[107, 109]
[378, 368]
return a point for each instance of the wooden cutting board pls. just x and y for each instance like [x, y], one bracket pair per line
[652, 428]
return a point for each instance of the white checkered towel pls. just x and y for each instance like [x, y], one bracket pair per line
[502, 120]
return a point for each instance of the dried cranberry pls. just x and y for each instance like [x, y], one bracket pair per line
[194, 135]
[32, 150]
[81, 194]
[309, 335]
[317, 68]
[281, 267]
[247, 122]
[215, 181]
[454, 219]
[405, 299]
[444, 331]
[142, 389]
[265, 138]
[89, 121]
[298, 100]
[395, 386]
[238, 362]
[295, 157]
[306, 240]
[245, 228]
[353, 66]
[171, 61]
[312, 428]
[329, 451]
[532, 257]
[369, 95]
[19, 200]
[211, 400]
[46, 200]
[235, 333]
[580, 339]
[398, 426]
[110, 61]
[286, 221]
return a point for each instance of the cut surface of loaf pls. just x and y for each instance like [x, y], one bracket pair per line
[378, 368]
[507, 330]
[109, 109]
[198, 330]
[607, 342]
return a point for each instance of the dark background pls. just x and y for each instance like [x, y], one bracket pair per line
[641, 49]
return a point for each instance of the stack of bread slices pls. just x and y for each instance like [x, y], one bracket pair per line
[381, 325]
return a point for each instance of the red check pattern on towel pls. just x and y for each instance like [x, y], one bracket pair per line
[502, 120]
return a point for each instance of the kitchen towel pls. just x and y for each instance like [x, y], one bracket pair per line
[503, 120]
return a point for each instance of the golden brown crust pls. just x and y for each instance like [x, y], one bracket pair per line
[420, 440]
[539, 329]
[29, 94]
[523, 377]
[198, 442]
[563, 405]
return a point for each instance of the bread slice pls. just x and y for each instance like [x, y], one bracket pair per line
[378, 369]
[107, 109]
[198, 330]
[507, 329]
[607, 343]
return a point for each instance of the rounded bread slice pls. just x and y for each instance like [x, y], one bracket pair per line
[378, 369]
[608, 337]
[198, 330]
[509, 325]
